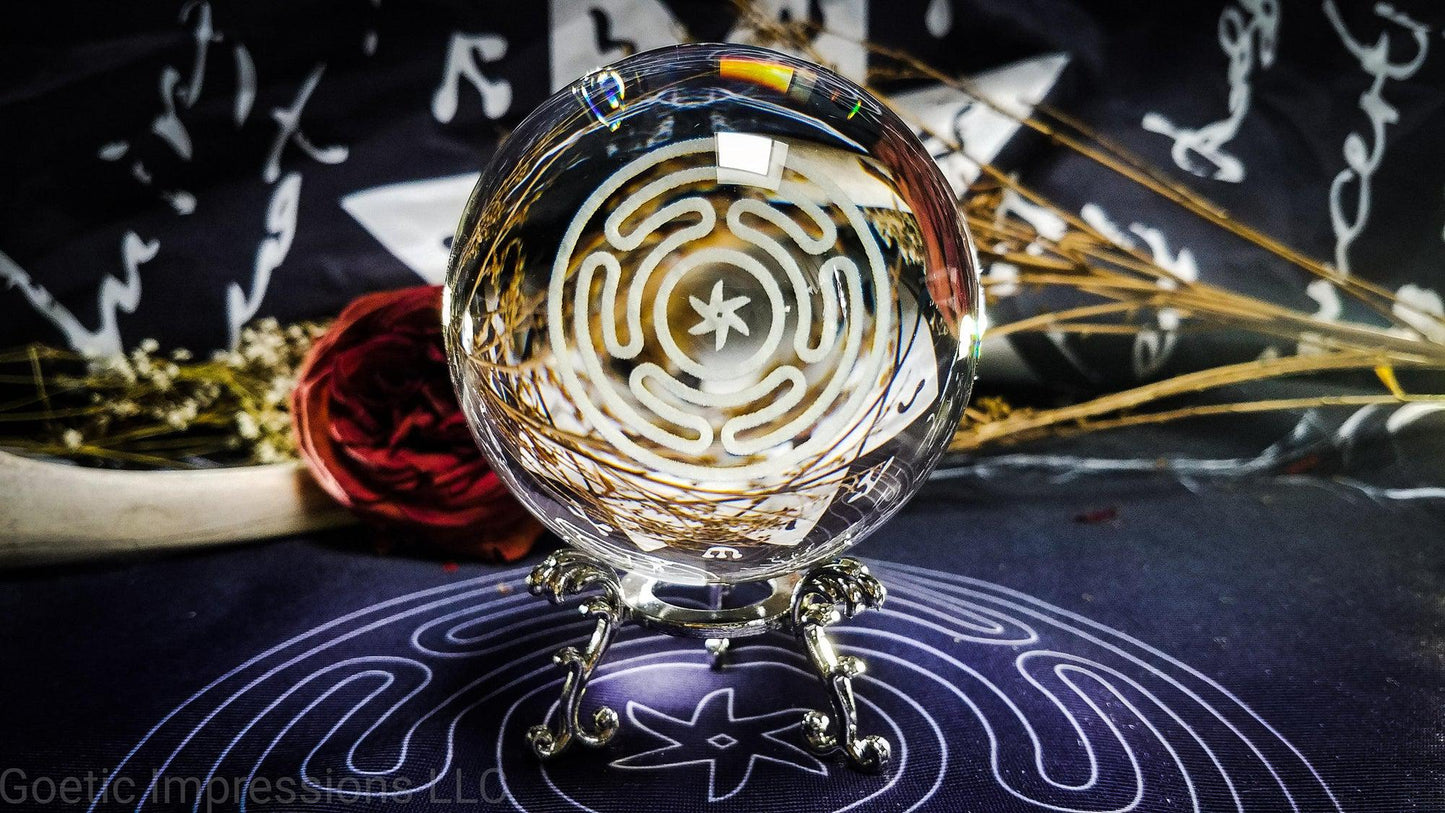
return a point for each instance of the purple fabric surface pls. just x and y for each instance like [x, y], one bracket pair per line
[1235, 647]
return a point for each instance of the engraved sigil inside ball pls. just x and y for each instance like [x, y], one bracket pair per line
[712, 313]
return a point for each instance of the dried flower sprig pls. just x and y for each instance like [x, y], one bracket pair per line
[148, 408]
[1130, 290]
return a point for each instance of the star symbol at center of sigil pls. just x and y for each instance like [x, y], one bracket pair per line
[719, 315]
[729, 745]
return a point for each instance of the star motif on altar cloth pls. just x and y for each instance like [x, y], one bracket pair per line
[729, 745]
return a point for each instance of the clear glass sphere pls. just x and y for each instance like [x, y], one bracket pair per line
[712, 313]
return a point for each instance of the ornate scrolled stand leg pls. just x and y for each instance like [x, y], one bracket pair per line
[717, 652]
[717, 648]
[560, 576]
[826, 595]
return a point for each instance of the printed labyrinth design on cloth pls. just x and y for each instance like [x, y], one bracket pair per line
[780, 358]
[994, 700]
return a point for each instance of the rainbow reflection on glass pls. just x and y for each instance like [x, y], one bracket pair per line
[712, 313]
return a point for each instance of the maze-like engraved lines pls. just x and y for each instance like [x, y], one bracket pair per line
[989, 695]
[678, 282]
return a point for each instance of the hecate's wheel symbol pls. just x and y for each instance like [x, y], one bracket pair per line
[731, 319]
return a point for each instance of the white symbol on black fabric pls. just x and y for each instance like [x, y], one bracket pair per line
[288, 131]
[1153, 346]
[719, 315]
[1249, 42]
[467, 55]
[116, 296]
[715, 736]
[1365, 151]
[939, 18]
[241, 305]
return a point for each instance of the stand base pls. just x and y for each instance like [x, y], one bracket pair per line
[804, 606]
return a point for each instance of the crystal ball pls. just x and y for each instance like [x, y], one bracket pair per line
[712, 313]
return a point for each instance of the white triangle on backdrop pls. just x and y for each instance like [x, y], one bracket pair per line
[413, 220]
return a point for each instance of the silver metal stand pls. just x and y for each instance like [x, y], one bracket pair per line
[803, 605]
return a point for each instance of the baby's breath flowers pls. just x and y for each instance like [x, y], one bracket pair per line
[151, 408]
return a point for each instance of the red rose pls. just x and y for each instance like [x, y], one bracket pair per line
[378, 424]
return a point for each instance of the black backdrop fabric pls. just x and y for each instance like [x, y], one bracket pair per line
[172, 170]
[1069, 629]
